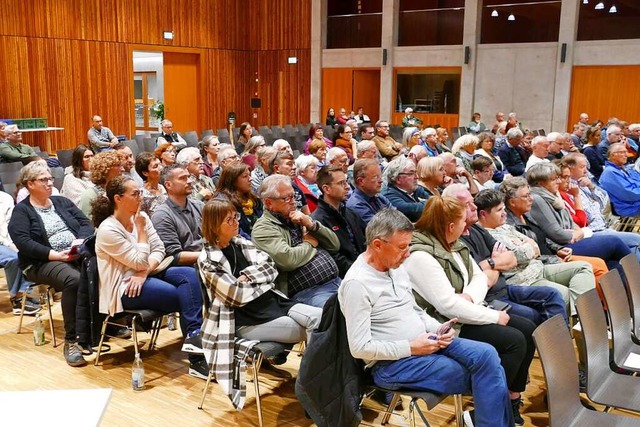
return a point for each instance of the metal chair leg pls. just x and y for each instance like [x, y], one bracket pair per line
[155, 332]
[459, 410]
[102, 335]
[390, 408]
[412, 413]
[48, 302]
[206, 388]
[24, 302]
[257, 362]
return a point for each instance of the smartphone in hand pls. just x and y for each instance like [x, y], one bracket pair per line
[446, 327]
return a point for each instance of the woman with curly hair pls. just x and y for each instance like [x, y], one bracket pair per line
[235, 186]
[104, 167]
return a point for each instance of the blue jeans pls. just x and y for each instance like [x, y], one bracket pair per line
[632, 240]
[318, 295]
[176, 289]
[465, 366]
[606, 246]
[536, 303]
[9, 261]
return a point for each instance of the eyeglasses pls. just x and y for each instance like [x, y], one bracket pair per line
[408, 173]
[405, 249]
[342, 183]
[44, 180]
[135, 193]
[525, 196]
[233, 219]
[286, 199]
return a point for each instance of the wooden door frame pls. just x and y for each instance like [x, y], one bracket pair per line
[203, 92]
[146, 123]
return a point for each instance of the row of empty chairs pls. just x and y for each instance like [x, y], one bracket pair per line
[608, 370]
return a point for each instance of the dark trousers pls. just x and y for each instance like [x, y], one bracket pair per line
[64, 277]
[513, 343]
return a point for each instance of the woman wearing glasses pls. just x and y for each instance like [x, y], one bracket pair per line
[44, 228]
[128, 250]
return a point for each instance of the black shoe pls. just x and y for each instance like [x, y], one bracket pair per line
[515, 406]
[193, 344]
[199, 369]
[582, 379]
[30, 307]
[469, 418]
[73, 354]
[268, 370]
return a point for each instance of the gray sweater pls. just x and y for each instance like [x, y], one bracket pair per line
[381, 314]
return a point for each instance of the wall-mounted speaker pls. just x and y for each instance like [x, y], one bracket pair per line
[384, 56]
[467, 54]
[256, 103]
[563, 53]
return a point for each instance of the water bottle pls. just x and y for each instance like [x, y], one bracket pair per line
[171, 322]
[137, 374]
[38, 331]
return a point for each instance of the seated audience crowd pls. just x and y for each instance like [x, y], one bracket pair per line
[443, 255]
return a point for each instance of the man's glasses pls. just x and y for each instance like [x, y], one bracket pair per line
[286, 199]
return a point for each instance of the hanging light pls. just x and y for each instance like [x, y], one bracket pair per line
[585, 1]
[494, 13]
[511, 17]
[600, 6]
[613, 9]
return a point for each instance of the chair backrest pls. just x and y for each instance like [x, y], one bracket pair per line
[207, 132]
[64, 157]
[541, 132]
[594, 332]
[139, 138]
[560, 370]
[58, 175]
[133, 145]
[631, 268]
[149, 145]
[192, 138]
[619, 312]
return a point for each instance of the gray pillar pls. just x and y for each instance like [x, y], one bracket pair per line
[470, 39]
[390, 10]
[318, 42]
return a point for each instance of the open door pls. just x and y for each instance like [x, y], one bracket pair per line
[181, 90]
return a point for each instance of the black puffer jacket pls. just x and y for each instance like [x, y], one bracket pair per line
[330, 381]
[88, 319]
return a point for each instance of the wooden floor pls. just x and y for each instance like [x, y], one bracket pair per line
[171, 396]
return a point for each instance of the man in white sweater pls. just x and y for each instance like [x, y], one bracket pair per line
[403, 346]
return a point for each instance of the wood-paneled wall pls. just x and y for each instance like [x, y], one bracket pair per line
[603, 92]
[69, 59]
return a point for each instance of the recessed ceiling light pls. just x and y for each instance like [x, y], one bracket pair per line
[585, 1]
[600, 6]
[613, 9]
[511, 17]
[494, 13]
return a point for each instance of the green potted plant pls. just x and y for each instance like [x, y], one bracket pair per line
[157, 111]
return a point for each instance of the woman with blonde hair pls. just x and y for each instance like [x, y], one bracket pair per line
[431, 175]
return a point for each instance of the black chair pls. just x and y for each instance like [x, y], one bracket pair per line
[207, 132]
[64, 157]
[9, 173]
[560, 368]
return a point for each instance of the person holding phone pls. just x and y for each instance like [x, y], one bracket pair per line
[43, 228]
[403, 346]
[128, 250]
[448, 284]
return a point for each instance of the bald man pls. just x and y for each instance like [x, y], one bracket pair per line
[100, 137]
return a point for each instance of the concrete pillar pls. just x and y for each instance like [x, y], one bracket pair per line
[470, 39]
[318, 42]
[562, 88]
[390, 10]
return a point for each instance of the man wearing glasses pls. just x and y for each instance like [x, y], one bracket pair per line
[402, 188]
[297, 243]
[14, 150]
[622, 184]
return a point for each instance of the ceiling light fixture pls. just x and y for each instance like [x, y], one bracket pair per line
[494, 13]
[511, 17]
[600, 6]
[585, 1]
[613, 9]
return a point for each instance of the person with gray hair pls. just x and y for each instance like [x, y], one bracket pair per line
[402, 189]
[100, 137]
[262, 170]
[464, 149]
[578, 136]
[410, 137]
[403, 345]
[548, 212]
[282, 145]
[203, 187]
[417, 153]
[622, 183]
[306, 174]
[512, 154]
[297, 243]
[430, 142]
[14, 150]
[540, 151]
[409, 120]
[168, 135]
[226, 155]
[612, 135]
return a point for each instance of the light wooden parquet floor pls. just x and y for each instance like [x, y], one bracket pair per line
[171, 396]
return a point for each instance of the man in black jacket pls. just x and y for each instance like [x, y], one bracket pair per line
[333, 213]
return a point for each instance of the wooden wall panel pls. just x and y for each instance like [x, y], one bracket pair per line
[337, 89]
[71, 59]
[603, 92]
[366, 92]
[443, 120]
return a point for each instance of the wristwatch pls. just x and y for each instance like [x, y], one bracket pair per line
[491, 263]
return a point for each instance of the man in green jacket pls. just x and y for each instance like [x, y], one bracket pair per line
[14, 150]
[297, 243]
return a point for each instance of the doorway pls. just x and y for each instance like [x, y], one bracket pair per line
[148, 91]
